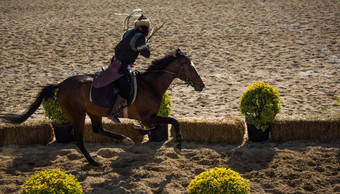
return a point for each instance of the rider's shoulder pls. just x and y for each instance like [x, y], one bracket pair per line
[133, 33]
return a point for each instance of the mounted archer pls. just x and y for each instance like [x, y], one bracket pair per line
[74, 98]
[133, 43]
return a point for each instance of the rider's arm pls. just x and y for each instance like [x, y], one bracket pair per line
[142, 47]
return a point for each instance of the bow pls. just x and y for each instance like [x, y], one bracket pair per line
[154, 31]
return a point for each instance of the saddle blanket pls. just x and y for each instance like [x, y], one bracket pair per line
[104, 96]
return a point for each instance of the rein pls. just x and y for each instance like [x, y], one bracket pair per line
[165, 71]
[186, 79]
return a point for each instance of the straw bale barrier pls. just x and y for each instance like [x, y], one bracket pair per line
[33, 132]
[125, 128]
[229, 129]
[305, 129]
[213, 130]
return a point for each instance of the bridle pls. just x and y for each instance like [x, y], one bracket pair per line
[186, 78]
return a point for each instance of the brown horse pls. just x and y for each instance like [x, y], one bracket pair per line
[73, 98]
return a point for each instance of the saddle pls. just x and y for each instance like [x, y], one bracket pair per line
[106, 96]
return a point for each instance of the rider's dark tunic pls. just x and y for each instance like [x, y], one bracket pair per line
[132, 44]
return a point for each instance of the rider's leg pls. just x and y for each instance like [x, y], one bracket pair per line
[116, 107]
[124, 91]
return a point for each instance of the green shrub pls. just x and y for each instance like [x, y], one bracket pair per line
[54, 112]
[165, 108]
[51, 181]
[260, 104]
[218, 180]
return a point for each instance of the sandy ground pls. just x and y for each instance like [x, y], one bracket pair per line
[291, 167]
[292, 45]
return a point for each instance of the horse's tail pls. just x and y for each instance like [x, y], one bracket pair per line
[47, 92]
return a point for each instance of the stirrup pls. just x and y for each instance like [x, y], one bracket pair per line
[114, 118]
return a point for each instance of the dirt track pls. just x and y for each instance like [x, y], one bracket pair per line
[292, 45]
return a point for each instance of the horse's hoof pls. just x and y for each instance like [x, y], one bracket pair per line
[178, 148]
[128, 141]
[143, 131]
[178, 151]
[137, 126]
[96, 164]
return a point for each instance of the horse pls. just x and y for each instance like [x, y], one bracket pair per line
[73, 98]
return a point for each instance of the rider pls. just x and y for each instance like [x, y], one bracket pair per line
[133, 43]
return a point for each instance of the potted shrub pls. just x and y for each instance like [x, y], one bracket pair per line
[161, 132]
[61, 125]
[259, 104]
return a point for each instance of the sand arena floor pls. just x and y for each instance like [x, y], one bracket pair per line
[292, 45]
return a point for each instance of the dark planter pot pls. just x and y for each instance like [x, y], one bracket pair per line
[160, 133]
[257, 135]
[63, 133]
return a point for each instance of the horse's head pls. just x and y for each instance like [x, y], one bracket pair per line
[188, 72]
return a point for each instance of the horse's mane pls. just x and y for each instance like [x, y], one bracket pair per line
[160, 64]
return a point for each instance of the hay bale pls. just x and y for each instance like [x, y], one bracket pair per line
[126, 128]
[32, 132]
[286, 130]
[217, 130]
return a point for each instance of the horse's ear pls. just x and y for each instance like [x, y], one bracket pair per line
[178, 52]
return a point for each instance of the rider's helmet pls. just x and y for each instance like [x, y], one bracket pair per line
[144, 24]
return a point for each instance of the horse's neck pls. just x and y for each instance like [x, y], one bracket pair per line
[160, 82]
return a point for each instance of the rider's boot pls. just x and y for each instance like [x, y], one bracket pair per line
[116, 107]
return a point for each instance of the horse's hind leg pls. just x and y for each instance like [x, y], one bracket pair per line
[78, 123]
[97, 127]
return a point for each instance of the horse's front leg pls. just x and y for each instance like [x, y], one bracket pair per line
[168, 120]
[97, 127]
[179, 138]
[78, 123]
